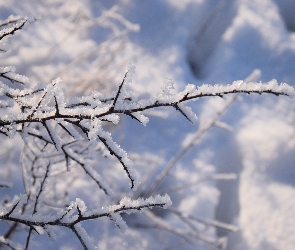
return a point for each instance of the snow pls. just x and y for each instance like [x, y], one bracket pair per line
[264, 181]
[162, 39]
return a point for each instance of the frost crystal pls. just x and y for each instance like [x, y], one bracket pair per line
[86, 241]
[168, 86]
[130, 73]
[141, 118]
[81, 205]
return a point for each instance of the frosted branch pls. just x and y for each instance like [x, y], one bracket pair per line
[70, 220]
[87, 113]
[17, 24]
[100, 110]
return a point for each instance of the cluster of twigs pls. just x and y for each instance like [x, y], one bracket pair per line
[58, 134]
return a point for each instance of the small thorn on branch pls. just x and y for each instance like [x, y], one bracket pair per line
[118, 93]
[56, 107]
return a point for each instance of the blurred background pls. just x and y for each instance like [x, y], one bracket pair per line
[236, 165]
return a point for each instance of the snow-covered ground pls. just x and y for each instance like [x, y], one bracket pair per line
[189, 41]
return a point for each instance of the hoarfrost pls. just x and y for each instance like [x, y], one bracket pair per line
[129, 74]
[18, 204]
[158, 199]
[188, 113]
[69, 127]
[84, 238]
[50, 231]
[141, 118]
[242, 86]
[9, 73]
[121, 155]
[112, 118]
[81, 205]
[53, 136]
[120, 223]
[168, 86]
[95, 127]
[39, 230]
